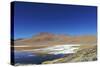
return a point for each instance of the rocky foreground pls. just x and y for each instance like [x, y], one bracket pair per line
[86, 53]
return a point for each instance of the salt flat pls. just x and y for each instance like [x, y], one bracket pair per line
[58, 49]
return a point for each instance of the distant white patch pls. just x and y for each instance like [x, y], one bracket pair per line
[58, 49]
[21, 46]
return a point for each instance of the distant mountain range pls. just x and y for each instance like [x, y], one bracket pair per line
[45, 39]
[49, 37]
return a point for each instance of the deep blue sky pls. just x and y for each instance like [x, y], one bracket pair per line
[32, 18]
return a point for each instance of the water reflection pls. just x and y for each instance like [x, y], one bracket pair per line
[30, 58]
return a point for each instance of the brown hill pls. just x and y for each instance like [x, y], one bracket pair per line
[45, 39]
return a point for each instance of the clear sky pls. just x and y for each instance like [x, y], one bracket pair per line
[32, 18]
